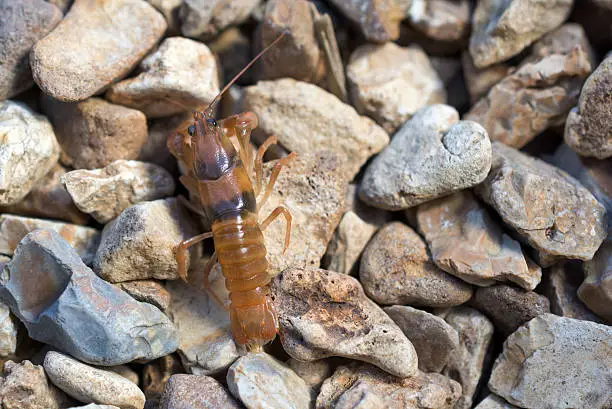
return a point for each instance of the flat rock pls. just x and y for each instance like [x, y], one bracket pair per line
[466, 242]
[140, 243]
[323, 313]
[28, 150]
[396, 268]
[105, 193]
[502, 29]
[23, 24]
[509, 307]
[150, 291]
[8, 332]
[312, 372]
[92, 385]
[94, 133]
[365, 386]
[196, 392]
[546, 207]
[260, 381]
[434, 340]
[433, 154]
[390, 83]
[479, 81]
[319, 121]
[596, 289]
[203, 19]
[100, 53]
[441, 21]
[494, 402]
[378, 20]
[576, 352]
[182, 72]
[59, 299]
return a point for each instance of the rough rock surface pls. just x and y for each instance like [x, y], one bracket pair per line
[28, 150]
[396, 268]
[494, 402]
[8, 332]
[432, 155]
[150, 291]
[323, 313]
[182, 72]
[100, 53]
[596, 290]
[442, 20]
[576, 352]
[64, 304]
[203, 19]
[196, 392]
[25, 386]
[378, 20]
[547, 208]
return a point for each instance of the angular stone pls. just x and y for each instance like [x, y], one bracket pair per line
[390, 83]
[546, 207]
[555, 362]
[312, 372]
[92, 385]
[323, 313]
[480, 80]
[196, 392]
[150, 291]
[364, 386]
[319, 120]
[260, 381]
[396, 268]
[8, 332]
[502, 29]
[378, 20]
[182, 72]
[203, 19]
[99, 53]
[438, 155]
[466, 242]
[64, 304]
[140, 243]
[433, 339]
[494, 402]
[596, 289]
[28, 150]
[23, 24]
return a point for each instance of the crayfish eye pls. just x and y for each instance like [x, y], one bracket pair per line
[191, 130]
[211, 123]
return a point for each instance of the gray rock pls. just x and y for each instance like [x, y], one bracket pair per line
[432, 155]
[8, 332]
[378, 20]
[150, 291]
[445, 21]
[196, 392]
[494, 402]
[555, 362]
[312, 372]
[596, 289]
[204, 19]
[73, 301]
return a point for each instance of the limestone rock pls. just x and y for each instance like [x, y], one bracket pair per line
[378, 20]
[26, 386]
[203, 19]
[494, 402]
[596, 290]
[150, 291]
[196, 392]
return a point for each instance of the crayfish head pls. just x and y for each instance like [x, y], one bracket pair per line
[214, 153]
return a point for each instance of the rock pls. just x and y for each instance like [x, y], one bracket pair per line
[125, 371]
[156, 374]
[233, 51]
[509, 307]
[396, 268]
[378, 20]
[561, 41]
[28, 150]
[73, 301]
[23, 24]
[155, 150]
[576, 352]
[182, 72]
[433, 339]
[139, 244]
[480, 80]
[150, 291]
[101, 53]
[364, 386]
[95, 406]
[13, 228]
[538, 95]
[441, 21]
[318, 119]
[105, 193]
[8, 333]
[170, 10]
[494, 402]
[313, 372]
[259, 381]
[196, 392]
[323, 313]
[203, 19]
[466, 242]
[432, 155]
[92, 385]
[390, 83]
[94, 133]
[502, 29]
[588, 129]
[466, 363]
[546, 207]
[596, 289]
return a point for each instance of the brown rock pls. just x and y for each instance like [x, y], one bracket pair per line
[203, 19]
[561, 41]
[480, 80]
[150, 291]
[378, 20]
[196, 392]
[596, 290]
[441, 20]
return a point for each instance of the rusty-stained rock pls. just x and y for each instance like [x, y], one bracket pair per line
[105, 193]
[203, 19]
[596, 289]
[480, 80]
[378, 20]
[100, 53]
[501, 29]
[150, 291]
[466, 242]
[182, 72]
[494, 402]
[196, 392]
[312, 372]
[396, 268]
[323, 313]
[364, 386]
[538, 95]
[390, 83]
[94, 133]
[441, 20]
[549, 209]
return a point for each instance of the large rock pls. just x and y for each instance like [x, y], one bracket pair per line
[596, 289]
[8, 332]
[546, 207]
[64, 304]
[28, 150]
[323, 313]
[99, 53]
[555, 362]
[432, 155]
[378, 20]
[196, 392]
[203, 19]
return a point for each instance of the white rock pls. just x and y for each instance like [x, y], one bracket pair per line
[8, 332]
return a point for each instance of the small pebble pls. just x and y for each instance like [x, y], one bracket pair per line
[196, 392]
[442, 21]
